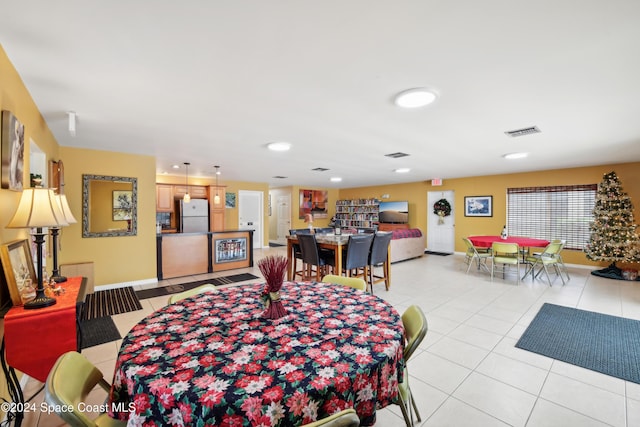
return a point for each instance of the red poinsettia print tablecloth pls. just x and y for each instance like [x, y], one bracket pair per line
[212, 360]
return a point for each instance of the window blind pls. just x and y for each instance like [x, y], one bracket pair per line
[559, 212]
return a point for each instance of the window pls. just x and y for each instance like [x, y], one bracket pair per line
[563, 212]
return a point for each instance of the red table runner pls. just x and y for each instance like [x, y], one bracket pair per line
[35, 338]
[526, 242]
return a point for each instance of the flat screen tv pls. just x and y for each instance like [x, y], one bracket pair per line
[394, 212]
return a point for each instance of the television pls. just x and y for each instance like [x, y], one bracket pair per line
[393, 212]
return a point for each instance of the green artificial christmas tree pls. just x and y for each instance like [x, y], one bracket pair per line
[613, 232]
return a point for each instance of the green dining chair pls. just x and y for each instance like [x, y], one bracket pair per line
[69, 382]
[207, 287]
[352, 282]
[415, 329]
[344, 418]
[505, 254]
[481, 255]
[549, 257]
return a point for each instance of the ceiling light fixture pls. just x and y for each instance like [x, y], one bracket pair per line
[187, 197]
[512, 156]
[336, 179]
[415, 98]
[402, 170]
[72, 122]
[279, 146]
[216, 198]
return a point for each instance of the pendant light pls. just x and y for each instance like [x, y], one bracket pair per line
[216, 198]
[187, 197]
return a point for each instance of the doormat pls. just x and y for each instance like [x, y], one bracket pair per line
[275, 245]
[174, 289]
[436, 253]
[110, 302]
[600, 342]
[98, 331]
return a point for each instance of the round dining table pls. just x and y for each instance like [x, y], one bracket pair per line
[213, 359]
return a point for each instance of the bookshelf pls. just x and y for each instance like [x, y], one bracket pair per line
[356, 213]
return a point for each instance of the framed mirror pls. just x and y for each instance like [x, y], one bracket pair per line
[109, 206]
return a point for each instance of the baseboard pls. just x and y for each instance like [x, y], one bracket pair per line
[152, 281]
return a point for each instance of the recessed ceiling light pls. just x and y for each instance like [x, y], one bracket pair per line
[415, 98]
[402, 170]
[176, 166]
[336, 179]
[279, 146]
[511, 156]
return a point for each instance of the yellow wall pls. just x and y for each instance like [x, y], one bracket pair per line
[116, 259]
[496, 186]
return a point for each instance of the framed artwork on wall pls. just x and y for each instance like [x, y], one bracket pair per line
[19, 271]
[230, 200]
[478, 206]
[314, 202]
[12, 152]
[122, 204]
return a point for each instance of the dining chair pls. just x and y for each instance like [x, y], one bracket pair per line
[352, 282]
[378, 259]
[314, 259]
[505, 254]
[297, 254]
[324, 230]
[549, 257]
[415, 329]
[344, 418]
[558, 256]
[481, 255]
[357, 258]
[207, 287]
[69, 382]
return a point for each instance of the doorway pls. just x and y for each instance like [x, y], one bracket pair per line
[283, 212]
[251, 214]
[440, 231]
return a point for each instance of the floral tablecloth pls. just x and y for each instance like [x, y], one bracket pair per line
[212, 360]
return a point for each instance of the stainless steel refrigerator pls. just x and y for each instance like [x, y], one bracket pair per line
[194, 216]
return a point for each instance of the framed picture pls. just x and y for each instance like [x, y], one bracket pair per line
[230, 200]
[19, 271]
[122, 204]
[12, 152]
[230, 250]
[314, 202]
[478, 206]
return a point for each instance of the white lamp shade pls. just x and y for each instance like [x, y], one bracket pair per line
[37, 208]
[66, 210]
[187, 198]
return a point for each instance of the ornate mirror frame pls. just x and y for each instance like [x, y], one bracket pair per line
[132, 227]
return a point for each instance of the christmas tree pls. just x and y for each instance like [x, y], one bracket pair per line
[613, 232]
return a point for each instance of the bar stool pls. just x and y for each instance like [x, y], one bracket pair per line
[357, 257]
[297, 254]
[313, 257]
[378, 258]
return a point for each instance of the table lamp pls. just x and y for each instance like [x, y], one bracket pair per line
[38, 208]
[69, 219]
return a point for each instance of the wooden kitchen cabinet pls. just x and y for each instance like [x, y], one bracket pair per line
[164, 198]
[195, 191]
[216, 210]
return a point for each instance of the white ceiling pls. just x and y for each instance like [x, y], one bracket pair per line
[212, 82]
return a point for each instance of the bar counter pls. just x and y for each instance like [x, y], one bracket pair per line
[186, 254]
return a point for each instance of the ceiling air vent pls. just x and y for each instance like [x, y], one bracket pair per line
[280, 177]
[396, 155]
[320, 169]
[523, 131]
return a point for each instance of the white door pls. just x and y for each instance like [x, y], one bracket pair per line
[440, 235]
[283, 210]
[251, 213]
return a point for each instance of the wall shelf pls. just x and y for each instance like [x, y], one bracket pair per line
[357, 213]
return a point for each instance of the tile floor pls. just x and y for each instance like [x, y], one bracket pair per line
[467, 371]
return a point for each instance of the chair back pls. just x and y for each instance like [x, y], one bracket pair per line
[471, 250]
[296, 231]
[552, 250]
[352, 282]
[324, 230]
[309, 249]
[358, 251]
[69, 382]
[415, 329]
[344, 418]
[207, 287]
[505, 250]
[380, 248]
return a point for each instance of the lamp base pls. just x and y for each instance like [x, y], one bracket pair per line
[40, 301]
[59, 279]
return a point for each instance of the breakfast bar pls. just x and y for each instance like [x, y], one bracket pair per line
[185, 254]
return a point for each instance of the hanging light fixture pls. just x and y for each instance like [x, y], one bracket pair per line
[216, 198]
[187, 197]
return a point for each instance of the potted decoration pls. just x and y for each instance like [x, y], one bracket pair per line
[273, 269]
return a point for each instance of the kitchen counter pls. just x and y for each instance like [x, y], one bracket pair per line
[185, 254]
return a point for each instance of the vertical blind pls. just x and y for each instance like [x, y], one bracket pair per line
[560, 212]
